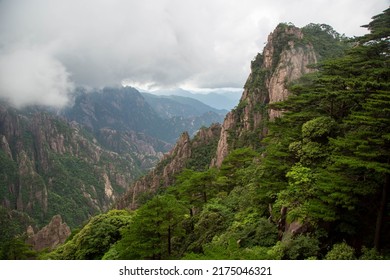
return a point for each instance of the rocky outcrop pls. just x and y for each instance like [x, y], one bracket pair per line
[147, 150]
[4, 146]
[161, 176]
[285, 58]
[172, 163]
[50, 236]
[222, 149]
[294, 63]
[50, 166]
[178, 157]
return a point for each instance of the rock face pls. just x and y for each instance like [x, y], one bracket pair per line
[79, 160]
[223, 147]
[50, 236]
[285, 58]
[50, 166]
[171, 164]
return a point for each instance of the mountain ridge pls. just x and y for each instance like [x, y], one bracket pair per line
[54, 160]
[221, 99]
[168, 106]
[285, 58]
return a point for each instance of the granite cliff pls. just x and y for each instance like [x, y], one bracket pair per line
[286, 57]
[50, 166]
[77, 161]
[50, 236]
[183, 155]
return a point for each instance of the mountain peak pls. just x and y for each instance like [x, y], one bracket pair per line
[285, 58]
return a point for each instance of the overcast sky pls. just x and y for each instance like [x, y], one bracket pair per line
[48, 47]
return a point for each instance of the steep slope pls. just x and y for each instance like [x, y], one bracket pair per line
[121, 109]
[76, 162]
[193, 124]
[186, 151]
[285, 58]
[50, 167]
[146, 119]
[313, 190]
[184, 113]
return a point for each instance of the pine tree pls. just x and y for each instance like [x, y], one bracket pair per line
[336, 125]
[366, 146]
[153, 229]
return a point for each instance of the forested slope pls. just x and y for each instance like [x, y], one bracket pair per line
[312, 183]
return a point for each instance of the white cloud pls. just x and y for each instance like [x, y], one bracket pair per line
[32, 77]
[164, 43]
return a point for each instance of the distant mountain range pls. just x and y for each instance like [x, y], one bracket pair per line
[126, 109]
[221, 99]
[168, 106]
[76, 161]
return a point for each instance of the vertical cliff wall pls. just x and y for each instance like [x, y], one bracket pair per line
[49, 166]
[187, 153]
[285, 58]
[288, 54]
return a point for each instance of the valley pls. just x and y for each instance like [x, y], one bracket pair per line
[298, 169]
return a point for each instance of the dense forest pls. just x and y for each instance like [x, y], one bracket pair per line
[316, 187]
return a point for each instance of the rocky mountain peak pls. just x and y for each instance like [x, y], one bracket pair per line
[50, 236]
[285, 58]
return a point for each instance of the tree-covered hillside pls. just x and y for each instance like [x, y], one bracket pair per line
[76, 161]
[317, 188]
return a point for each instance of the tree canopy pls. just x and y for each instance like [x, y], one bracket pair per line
[318, 190]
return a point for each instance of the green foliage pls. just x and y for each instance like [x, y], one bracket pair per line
[258, 77]
[95, 238]
[328, 158]
[230, 251]
[248, 230]
[299, 193]
[325, 164]
[236, 161]
[370, 254]
[75, 188]
[201, 155]
[12, 235]
[341, 251]
[318, 129]
[295, 248]
[212, 220]
[195, 187]
[155, 232]
[16, 249]
[326, 41]
[8, 175]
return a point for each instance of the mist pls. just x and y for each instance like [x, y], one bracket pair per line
[48, 47]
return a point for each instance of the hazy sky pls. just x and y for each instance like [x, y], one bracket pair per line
[48, 47]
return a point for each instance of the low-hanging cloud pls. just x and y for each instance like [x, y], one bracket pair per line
[32, 77]
[47, 47]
